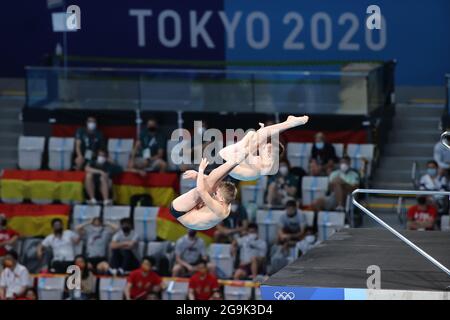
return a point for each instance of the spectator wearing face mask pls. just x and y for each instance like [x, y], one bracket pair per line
[422, 216]
[8, 238]
[292, 225]
[88, 281]
[88, 141]
[342, 182]
[143, 281]
[434, 180]
[442, 156]
[62, 243]
[252, 253]
[324, 153]
[99, 172]
[98, 236]
[235, 224]
[282, 186]
[189, 250]
[14, 278]
[148, 151]
[124, 247]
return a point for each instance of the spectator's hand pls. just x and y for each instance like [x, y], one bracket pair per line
[190, 175]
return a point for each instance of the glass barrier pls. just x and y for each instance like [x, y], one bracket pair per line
[354, 89]
[447, 76]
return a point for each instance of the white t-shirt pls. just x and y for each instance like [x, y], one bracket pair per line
[14, 280]
[63, 247]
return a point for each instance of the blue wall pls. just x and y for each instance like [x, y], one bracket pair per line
[417, 34]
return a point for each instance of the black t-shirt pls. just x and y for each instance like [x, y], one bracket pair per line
[325, 154]
[89, 141]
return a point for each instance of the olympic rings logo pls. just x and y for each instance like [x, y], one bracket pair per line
[284, 295]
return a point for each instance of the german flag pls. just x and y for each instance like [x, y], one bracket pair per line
[168, 228]
[162, 187]
[32, 220]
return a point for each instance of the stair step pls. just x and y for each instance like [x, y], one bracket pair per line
[393, 175]
[8, 152]
[392, 185]
[417, 123]
[10, 126]
[408, 149]
[402, 163]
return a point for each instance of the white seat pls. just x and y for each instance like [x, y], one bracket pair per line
[339, 148]
[186, 185]
[268, 224]
[84, 213]
[237, 293]
[254, 193]
[145, 222]
[328, 222]
[30, 152]
[120, 151]
[220, 255]
[313, 188]
[60, 151]
[51, 288]
[175, 290]
[309, 217]
[298, 154]
[113, 214]
[358, 152]
[445, 223]
[112, 288]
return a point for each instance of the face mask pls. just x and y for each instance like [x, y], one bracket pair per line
[192, 234]
[91, 126]
[234, 207]
[58, 230]
[284, 170]
[432, 171]
[343, 167]
[101, 159]
[151, 129]
[319, 145]
[126, 229]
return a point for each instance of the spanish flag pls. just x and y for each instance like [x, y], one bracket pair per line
[32, 220]
[168, 228]
[162, 187]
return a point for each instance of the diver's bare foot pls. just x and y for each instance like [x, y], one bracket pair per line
[298, 120]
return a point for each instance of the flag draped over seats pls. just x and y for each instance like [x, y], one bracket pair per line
[42, 186]
[32, 220]
[168, 228]
[162, 187]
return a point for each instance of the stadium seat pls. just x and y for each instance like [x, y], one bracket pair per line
[339, 148]
[298, 154]
[313, 188]
[84, 213]
[254, 193]
[445, 223]
[257, 291]
[268, 223]
[328, 222]
[309, 217]
[60, 151]
[51, 288]
[237, 293]
[30, 152]
[186, 185]
[359, 152]
[120, 150]
[112, 288]
[175, 290]
[113, 214]
[220, 255]
[145, 222]
[28, 254]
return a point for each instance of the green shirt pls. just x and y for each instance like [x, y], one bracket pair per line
[350, 177]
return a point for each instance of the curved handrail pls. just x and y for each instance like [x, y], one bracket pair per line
[392, 230]
[444, 135]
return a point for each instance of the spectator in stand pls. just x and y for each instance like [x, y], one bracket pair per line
[203, 285]
[8, 238]
[324, 153]
[252, 253]
[189, 250]
[235, 224]
[282, 186]
[124, 247]
[62, 243]
[98, 236]
[99, 172]
[88, 281]
[88, 141]
[315, 169]
[14, 278]
[143, 282]
[292, 225]
[433, 180]
[442, 156]
[30, 294]
[421, 216]
[148, 151]
[342, 182]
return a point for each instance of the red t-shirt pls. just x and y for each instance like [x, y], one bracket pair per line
[142, 284]
[203, 287]
[6, 235]
[416, 214]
